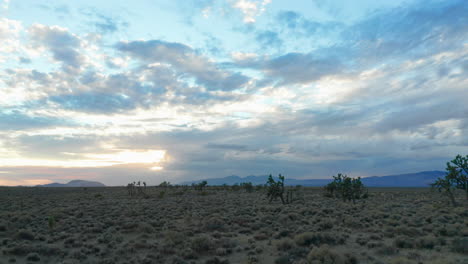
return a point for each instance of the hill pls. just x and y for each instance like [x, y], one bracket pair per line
[74, 183]
[419, 179]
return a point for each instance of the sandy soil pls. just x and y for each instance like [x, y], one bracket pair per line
[181, 225]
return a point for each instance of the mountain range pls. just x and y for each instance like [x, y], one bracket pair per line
[419, 179]
[74, 183]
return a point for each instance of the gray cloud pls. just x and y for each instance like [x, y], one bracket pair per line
[301, 68]
[94, 102]
[226, 146]
[54, 146]
[63, 45]
[268, 38]
[19, 120]
[387, 36]
[186, 62]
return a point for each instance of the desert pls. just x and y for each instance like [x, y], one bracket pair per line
[179, 224]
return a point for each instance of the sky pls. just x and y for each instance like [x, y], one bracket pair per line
[121, 91]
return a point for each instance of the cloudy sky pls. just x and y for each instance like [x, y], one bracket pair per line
[118, 91]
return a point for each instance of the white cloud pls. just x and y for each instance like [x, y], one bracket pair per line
[9, 37]
[251, 9]
[5, 4]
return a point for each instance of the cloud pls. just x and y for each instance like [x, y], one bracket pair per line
[384, 37]
[186, 62]
[94, 102]
[105, 24]
[301, 68]
[296, 24]
[9, 36]
[5, 4]
[294, 68]
[269, 39]
[11, 120]
[225, 146]
[250, 9]
[64, 46]
[417, 31]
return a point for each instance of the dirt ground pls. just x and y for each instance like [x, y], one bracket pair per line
[182, 225]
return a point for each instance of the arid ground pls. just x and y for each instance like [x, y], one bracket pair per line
[182, 225]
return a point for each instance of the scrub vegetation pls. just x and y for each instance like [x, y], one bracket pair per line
[242, 224]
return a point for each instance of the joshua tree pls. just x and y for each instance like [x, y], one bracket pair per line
[446, 185]
[247, 186]
[456, 177]
[199, 186]
[131, 189]
[458, 170]
[347, 188]
[136, 189]
[275, 188]
[165, 184]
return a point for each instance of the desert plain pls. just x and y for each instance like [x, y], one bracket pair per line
[221, 225]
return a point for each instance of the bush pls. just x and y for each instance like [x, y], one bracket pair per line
[460, 245]
[346, 188]
[200, 186]
[325, 255]
[25, 235]
[33, 257]
[404, 242]
[247, 186]
[284, 244]
[387, 250]
[165, 184]
[201, 244]
[310, 238]
[428, 242]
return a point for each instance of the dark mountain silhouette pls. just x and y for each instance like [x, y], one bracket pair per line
[419, 179]
[74, 183]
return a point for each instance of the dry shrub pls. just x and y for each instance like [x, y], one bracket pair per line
[25, 235]
[174, 237]
[261, 236]
[387, 251]
[407, 231]
[33, 256]
[401, 260]
[460, 245]
[428, 242]
[145, 228]
[404, 242]
[325, 255]
[213, 224]
[310, 238]
[216, 260]
[284, 244]
[283, 260]
[201, 244]
[3, 227]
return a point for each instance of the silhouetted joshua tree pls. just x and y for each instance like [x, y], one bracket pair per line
[275, 189]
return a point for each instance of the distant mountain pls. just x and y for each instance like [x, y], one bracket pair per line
[74, 183]
[419, 179]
